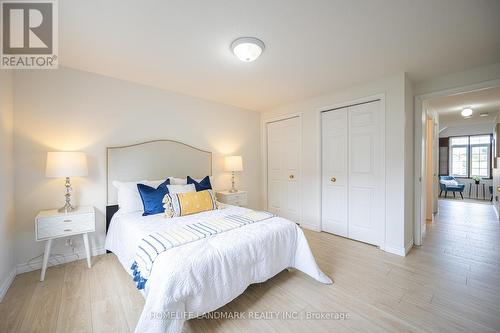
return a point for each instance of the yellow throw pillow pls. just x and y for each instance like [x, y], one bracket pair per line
[181, 204]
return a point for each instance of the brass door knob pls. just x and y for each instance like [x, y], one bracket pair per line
[333, 179]
[291, 177]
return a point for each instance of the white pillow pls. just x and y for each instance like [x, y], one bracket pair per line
[177, 181]
[154, 183]
[449, 182]
[174, 189]
[129, 199]
[183, 181]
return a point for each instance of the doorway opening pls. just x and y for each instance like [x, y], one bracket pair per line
[459, 153]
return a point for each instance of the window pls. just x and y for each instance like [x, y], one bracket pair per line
[480, 155]
[459, 150]
[470, 156]
[459, 161]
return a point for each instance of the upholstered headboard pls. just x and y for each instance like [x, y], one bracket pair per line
[152, 160]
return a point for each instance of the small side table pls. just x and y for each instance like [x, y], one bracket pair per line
[477, 190]
[50, 224]
[232, 198]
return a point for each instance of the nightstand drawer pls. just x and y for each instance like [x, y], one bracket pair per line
[240, 196]
[59, 226]
[236, 199]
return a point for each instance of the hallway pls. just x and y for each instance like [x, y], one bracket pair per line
[465, 229]
[464, 241]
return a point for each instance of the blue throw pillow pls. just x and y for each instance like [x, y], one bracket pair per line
[152, 199]
[203, 185]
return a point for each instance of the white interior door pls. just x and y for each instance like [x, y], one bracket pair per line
[366, 173]
[334, 172]
[353, 176]
[283, 165]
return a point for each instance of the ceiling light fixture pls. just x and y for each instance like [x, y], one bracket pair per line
[484, 114]
[247, 49]
[466, 113]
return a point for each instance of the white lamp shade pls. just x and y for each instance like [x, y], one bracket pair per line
[233, 163]
[66, 164]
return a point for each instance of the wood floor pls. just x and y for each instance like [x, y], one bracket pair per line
[451, 284]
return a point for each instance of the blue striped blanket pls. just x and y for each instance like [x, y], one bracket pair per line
[151, 246]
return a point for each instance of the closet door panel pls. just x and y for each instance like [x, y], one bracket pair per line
[274, 163]
[366, 196]
[334, 172]
[283, 159]
[290, 146]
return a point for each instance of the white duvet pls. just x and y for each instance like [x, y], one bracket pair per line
[202, 276]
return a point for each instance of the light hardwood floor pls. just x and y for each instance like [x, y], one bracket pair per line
[451, 284]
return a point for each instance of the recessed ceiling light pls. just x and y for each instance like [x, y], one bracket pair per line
[247, 49]
[484, 114]
[466, 113]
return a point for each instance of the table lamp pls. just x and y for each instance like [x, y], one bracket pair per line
[66, 165]
[233, 164]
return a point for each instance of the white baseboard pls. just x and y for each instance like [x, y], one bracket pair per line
[37, 264]
[400, 251]
[312, 227]
[409, 246]
[4, 286]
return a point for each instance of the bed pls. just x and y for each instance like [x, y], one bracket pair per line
[203, 275]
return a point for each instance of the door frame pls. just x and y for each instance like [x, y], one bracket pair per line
[371, 98]
[420, 148]
[265, 165]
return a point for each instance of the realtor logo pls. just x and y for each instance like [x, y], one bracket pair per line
[29, 34]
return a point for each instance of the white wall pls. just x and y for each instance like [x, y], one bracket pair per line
[7, 267]
[435, 164]
[397, 150]
[409, 164]
[67, 109]
[472, 129]
[460, 79]
[496, 184]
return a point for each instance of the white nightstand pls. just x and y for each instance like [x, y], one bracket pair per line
[237, 198]
[50, 224]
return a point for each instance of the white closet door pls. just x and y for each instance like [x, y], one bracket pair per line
[334, 174]
[366, 173]
[283, 160]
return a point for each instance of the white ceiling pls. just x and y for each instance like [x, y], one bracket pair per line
[481, 101]
[312, 47]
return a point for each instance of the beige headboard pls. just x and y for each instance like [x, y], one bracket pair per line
[154, 160]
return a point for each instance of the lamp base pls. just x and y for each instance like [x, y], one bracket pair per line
[67, 208]
[233, 189]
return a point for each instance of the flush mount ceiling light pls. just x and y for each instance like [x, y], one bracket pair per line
[247, 49]
[466, 113]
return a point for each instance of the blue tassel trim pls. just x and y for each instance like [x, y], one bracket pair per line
[140, 281]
